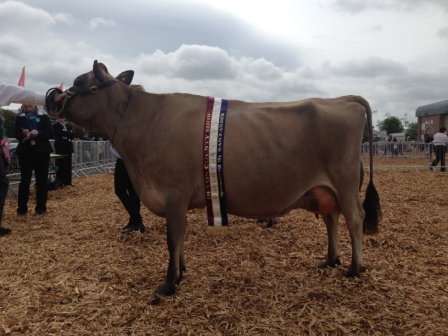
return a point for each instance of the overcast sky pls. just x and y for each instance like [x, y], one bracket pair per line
[394, 53]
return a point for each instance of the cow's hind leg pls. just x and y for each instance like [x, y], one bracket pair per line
[332, 224]
[354, 218]
[175, 219]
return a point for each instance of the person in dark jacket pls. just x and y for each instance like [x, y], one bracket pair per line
[16, 94]
[63, 136]
[33, 131]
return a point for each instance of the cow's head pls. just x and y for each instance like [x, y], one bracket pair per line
[91, 83]
[98, 79]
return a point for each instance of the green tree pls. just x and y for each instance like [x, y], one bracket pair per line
[10, 123]
[412, 131]
[391, 125]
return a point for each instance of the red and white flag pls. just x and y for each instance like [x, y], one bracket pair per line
[22, 78]
[60, 87]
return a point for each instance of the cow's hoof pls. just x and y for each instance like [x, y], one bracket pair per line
[351, 273]
[331, 265]
[166, 290]
[271, 222]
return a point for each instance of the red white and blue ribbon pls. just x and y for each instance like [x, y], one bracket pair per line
[214, 128]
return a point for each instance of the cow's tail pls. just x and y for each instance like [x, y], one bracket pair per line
[371, 204]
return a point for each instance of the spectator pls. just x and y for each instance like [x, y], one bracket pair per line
[15, 94]
[63, 136]
[428, 138]
[439, 142]
[389, 144]
[100, 146]
[394, 148]
[33, 131]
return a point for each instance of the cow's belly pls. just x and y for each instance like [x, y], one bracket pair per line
[153, 201]
[320, 199]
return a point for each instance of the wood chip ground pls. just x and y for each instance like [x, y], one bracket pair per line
[71, 272]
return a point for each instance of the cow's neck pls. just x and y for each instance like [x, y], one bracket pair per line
[121, 111]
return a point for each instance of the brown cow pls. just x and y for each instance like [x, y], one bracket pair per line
[160, 137]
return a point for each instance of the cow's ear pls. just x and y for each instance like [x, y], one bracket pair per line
[98, 69]
[126, 77]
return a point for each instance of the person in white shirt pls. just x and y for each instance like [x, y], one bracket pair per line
[15, 94]
[440, 142]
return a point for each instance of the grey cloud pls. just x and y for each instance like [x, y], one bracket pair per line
[443, 32]
[202, 62]
[64, 18]
[196, 62]
[166, 25]
[261, 68]
[100, 22]
[370, 67]
[16, 16]
[358, 6]
[190, 62]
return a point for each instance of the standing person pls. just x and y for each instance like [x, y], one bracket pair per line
[15, 94]
[439, 142]
[394, 148]
[428, 138]
[4, 183]
[33, 131]
[127, 195]
[389, 145]
[63, 136]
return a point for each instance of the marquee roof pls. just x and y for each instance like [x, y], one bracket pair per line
[432, 109]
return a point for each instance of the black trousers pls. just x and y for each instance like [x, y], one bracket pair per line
[39, 163]
[126, 193]
[64, 171]
[4, 185]
[440, 157]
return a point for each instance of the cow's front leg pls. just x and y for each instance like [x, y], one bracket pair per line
[332, 223]
[175, 220]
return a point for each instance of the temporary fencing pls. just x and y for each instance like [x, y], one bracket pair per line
[408, 154]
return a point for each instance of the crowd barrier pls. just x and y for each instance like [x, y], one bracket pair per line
[422, 154]
[411, 149]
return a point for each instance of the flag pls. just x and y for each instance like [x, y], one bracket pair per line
[22, 78]
[60, 87]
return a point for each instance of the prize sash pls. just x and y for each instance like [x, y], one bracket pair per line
[214, 127]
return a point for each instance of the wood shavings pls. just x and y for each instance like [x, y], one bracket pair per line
[72, 272]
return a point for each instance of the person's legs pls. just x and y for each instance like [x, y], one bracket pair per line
[442, 158]
[68, 170]
[26, 172]
[437, 159]
[64, 172]
[41, 166]
[128, 197]
[4, 185]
